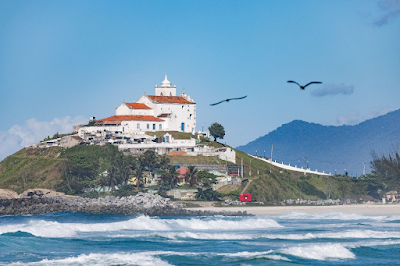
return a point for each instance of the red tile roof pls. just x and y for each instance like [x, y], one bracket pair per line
[137, 106]
[163, 115]
[120, 118]
[182, 171]
[169, 99]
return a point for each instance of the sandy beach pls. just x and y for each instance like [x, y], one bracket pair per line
[363, 209]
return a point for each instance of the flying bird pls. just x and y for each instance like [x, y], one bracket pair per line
[227, 100]
[303, 87]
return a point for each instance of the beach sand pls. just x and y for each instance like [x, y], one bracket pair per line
[363, 209]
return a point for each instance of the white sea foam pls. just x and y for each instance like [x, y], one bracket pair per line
[140, 258]
[373, 243]
[142, 223]
[320, 251]
[254, 255]
[338, 216]
[224, 224]
[199, 235]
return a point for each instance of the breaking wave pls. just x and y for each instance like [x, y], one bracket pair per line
[102, 259]
[320, 251]
[338, 216]
[55, 229]
[145, 258]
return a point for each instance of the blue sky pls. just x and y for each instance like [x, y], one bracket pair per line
[64, 61]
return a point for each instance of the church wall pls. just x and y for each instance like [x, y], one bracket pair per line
[181, 113]
[134, 126]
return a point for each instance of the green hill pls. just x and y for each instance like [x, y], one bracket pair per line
[76, 169]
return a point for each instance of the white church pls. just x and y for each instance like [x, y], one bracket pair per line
[163, 111]
[133, 123]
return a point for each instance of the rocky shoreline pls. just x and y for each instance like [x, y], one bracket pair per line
[39, 201]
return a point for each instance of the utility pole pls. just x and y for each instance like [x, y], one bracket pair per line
[241, 167]
[364, 169]
[272, 149]
[250, 166]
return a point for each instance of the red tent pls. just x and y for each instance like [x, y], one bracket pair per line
[245, 197]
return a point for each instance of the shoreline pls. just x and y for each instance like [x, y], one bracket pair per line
[361, 209]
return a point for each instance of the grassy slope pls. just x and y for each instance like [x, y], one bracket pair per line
[44, 168]
[31, 169]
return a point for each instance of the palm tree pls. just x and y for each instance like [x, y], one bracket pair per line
[139, 177]
[113, 177]
[150, 159]
[173, 178]
[164, 162]
[191, 176]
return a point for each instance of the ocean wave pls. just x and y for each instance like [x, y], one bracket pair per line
[388, 242]
[338, 216]
[196, 235]
[102, 259]
[254, 255]
[145, 258]
[54, 229]
[320, 251]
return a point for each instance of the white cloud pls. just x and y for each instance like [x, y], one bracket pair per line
[390, 11]
[33, 131]
[333, 89]
[353, 117]
[350, 118]
[377, 111]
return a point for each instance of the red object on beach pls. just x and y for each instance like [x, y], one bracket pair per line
[245, 197]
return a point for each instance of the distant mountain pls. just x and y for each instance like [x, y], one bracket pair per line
[327, 148]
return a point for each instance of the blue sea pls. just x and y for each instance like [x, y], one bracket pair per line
[291, 239]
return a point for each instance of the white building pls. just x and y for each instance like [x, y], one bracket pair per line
[163, 111]
[160, 112]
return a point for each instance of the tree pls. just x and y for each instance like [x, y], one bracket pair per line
[113, 179]
[164, 162]
[169, 178]
[149, 160]
[207, 194]
[173, 178]
[387, 169]
[139, 177]
[206, 178]
[191, 176]
[217, 131]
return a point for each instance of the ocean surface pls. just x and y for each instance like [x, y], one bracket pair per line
[291, 239]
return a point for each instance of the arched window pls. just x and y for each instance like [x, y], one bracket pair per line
[161, 94]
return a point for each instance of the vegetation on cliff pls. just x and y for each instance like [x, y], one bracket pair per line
[82, 168]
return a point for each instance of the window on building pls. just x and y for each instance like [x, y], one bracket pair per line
[148, 126]
[182, 107]
[138, 126]
[161, 94]
[154, 126]
[190, 117]
[160, 126]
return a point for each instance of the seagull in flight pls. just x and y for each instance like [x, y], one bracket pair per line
[227, 100]
[303, 87]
